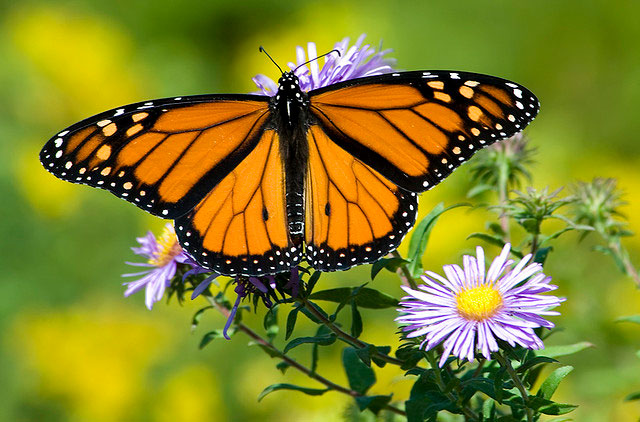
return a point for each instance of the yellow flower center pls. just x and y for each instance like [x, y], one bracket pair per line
[478, 303]
[168, 247]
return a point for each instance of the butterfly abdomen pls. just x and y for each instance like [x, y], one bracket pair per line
[290, 107]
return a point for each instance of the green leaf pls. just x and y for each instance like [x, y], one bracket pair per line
[291, 322]
[385, 350]
[268, 350]
[489, 238]
[531, 225]
[198, 316]
[365, 297]
[541, 254]
[364, 353]
[373, 403]
[270, 322]
[360, 376]
[356, 320]
[321, 340]
[282, 367]
[391, 264]
[496, 229]
[309, 391]
[569, 349]
[538, 360]
[212, 335]
[498, 380]
[633, 396]
[311, 283]
[549, 407]
[479, 189]
[550, 385]
[630, 318]
[488, 410]
[420, 237]
[322, 331]
[311, 316]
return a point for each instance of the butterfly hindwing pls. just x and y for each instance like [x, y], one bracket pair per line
[240, 227]
[354, 215]
[415, 128]
[163, 155]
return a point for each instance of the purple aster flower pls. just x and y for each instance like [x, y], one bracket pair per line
[353, 62]
[469, 311]
[163, 255]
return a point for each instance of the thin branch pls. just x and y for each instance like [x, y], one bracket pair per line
[294, 364]
[347, 338]
[506, 364]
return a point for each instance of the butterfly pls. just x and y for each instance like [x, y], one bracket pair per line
[258, 184]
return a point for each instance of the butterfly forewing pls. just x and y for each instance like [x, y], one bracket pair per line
[164, 155]
[415, 128]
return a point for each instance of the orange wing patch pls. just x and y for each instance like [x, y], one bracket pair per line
[163, 156]
[240, 227]
[415, 128]
[353, 214]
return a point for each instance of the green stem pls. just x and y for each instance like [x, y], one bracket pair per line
[534, 243]
[347, 338]
[626, 262]
[468, 413]
[405, 274]
[506, 364]
[503, 194]
[294, 364]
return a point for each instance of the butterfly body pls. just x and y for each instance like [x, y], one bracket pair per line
[258, 184]
[290, 105]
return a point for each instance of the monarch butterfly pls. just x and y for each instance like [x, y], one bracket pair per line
[256, 184]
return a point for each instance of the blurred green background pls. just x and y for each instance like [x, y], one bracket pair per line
[73, 349]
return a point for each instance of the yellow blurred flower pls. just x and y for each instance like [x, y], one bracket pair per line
[190, 395]
[95, 361]
[86, 57]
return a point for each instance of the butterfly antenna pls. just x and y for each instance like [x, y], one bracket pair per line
[262, 50]
[322, 55]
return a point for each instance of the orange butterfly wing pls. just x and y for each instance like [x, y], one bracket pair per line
[376, 142]
[415, 128]
[240, 227]
[354, 215]
[164, 155]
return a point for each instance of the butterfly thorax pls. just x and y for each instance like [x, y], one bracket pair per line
[290, 110]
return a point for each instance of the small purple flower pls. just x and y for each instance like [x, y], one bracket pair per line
[163, 255]
[264, 287]
[468, 311]
[245, 286]
[353, 62]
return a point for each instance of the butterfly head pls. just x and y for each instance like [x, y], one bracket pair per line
[289, 90]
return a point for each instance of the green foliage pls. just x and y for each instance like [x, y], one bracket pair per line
[360, 376]
[308, 391]
[420, 237]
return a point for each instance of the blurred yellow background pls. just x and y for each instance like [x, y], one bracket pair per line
[73, 349]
